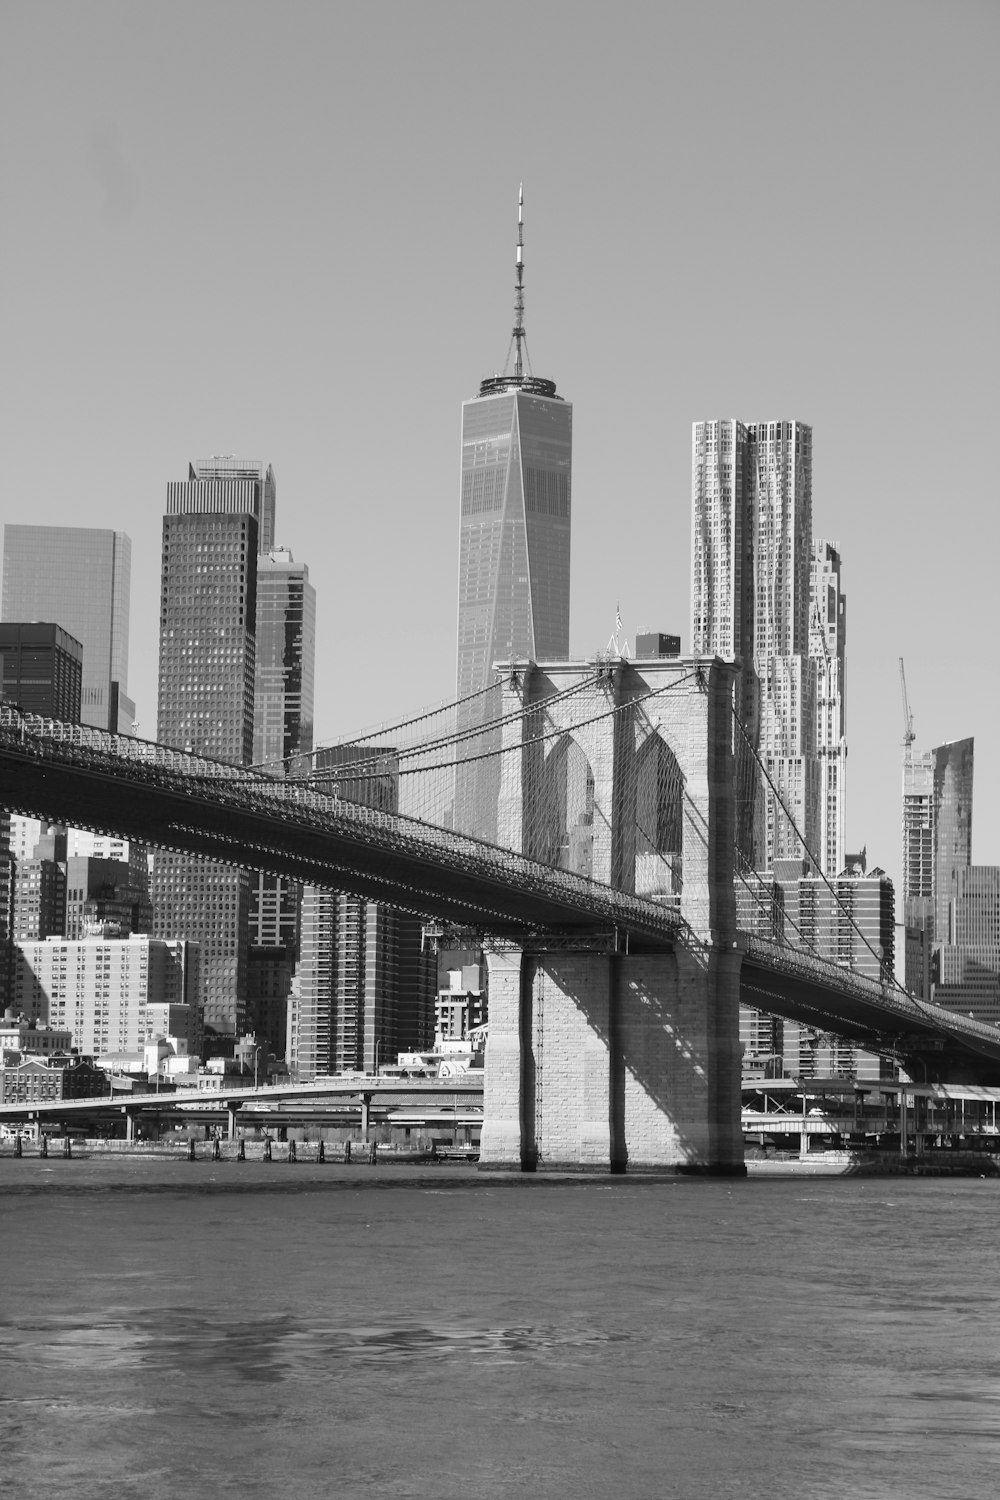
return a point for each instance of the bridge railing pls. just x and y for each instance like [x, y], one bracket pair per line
[793, 960]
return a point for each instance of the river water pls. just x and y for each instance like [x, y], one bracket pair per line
[214, 1329]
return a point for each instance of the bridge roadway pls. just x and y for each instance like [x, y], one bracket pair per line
[178, 801]
[173, 800]
[294, 1102]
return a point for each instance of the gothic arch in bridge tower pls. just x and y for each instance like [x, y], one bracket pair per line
[562, 821]
[659, 817]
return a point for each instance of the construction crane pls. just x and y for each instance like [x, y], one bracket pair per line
[908, 734]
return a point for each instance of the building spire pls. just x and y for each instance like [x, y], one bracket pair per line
[518, 379]
[519, 337]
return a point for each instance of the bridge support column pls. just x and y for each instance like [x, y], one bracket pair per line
[131, 1122]
[503, 1142]
[232, 1110]
[366, 1113]
[613, 1062]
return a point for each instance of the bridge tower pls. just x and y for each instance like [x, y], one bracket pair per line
[606, 1054]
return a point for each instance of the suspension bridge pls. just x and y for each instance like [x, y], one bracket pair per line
[592, 826]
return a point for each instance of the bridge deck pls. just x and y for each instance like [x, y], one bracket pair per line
[183, 802]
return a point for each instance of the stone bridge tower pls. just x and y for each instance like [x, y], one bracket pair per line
[602, 1054]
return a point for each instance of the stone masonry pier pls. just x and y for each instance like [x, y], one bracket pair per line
[620, 1059]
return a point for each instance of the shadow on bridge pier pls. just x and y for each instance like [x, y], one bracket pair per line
[627, 1061]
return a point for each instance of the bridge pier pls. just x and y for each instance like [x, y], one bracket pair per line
[613, 1062]
[232, 1110]
[366, 1109]
[131, 1120]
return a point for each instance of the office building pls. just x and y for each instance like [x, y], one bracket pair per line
[106, 895]
[283, 740]
[514, 545]
[99, 989]
[41, 670]
[365, 987]
[283, 736]
[827, 647]
[937, 846]
[39, 889]
[967, 966]
[79, 577]
[208, 612]
[851, 921]
[285, 662]
[225, 469]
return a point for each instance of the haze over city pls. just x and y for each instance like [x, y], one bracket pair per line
[289, 234]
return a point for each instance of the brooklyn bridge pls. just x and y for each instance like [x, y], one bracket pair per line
[613, 893]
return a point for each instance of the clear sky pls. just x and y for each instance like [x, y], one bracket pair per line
[286, 231]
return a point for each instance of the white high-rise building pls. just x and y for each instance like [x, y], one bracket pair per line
[750, 599]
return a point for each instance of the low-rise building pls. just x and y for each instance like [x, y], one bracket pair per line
[31, 1037]
[38, 1082]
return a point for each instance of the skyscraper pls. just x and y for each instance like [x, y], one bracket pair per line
[514, 539]
[78, 577]
[968, 964]
[937, 846]
[827, 644]
[283, 732]
[782, 467]
[366, 987]
[41, 670]
[208, 610]
[285, 660]
[750, 591]
[722, 590]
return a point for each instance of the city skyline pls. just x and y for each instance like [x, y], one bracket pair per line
[649, 320]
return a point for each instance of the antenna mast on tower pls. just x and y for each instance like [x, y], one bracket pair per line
[519, 335]
[521, 379]
[519, 338]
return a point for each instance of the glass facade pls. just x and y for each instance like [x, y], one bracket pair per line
[953, 765]
[284, 678]
[79, 578]
[514, 556]
[514, 559]
[937, 849]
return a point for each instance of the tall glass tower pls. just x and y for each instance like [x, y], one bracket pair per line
[937, 848]
[78, 577]
[514, 542]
